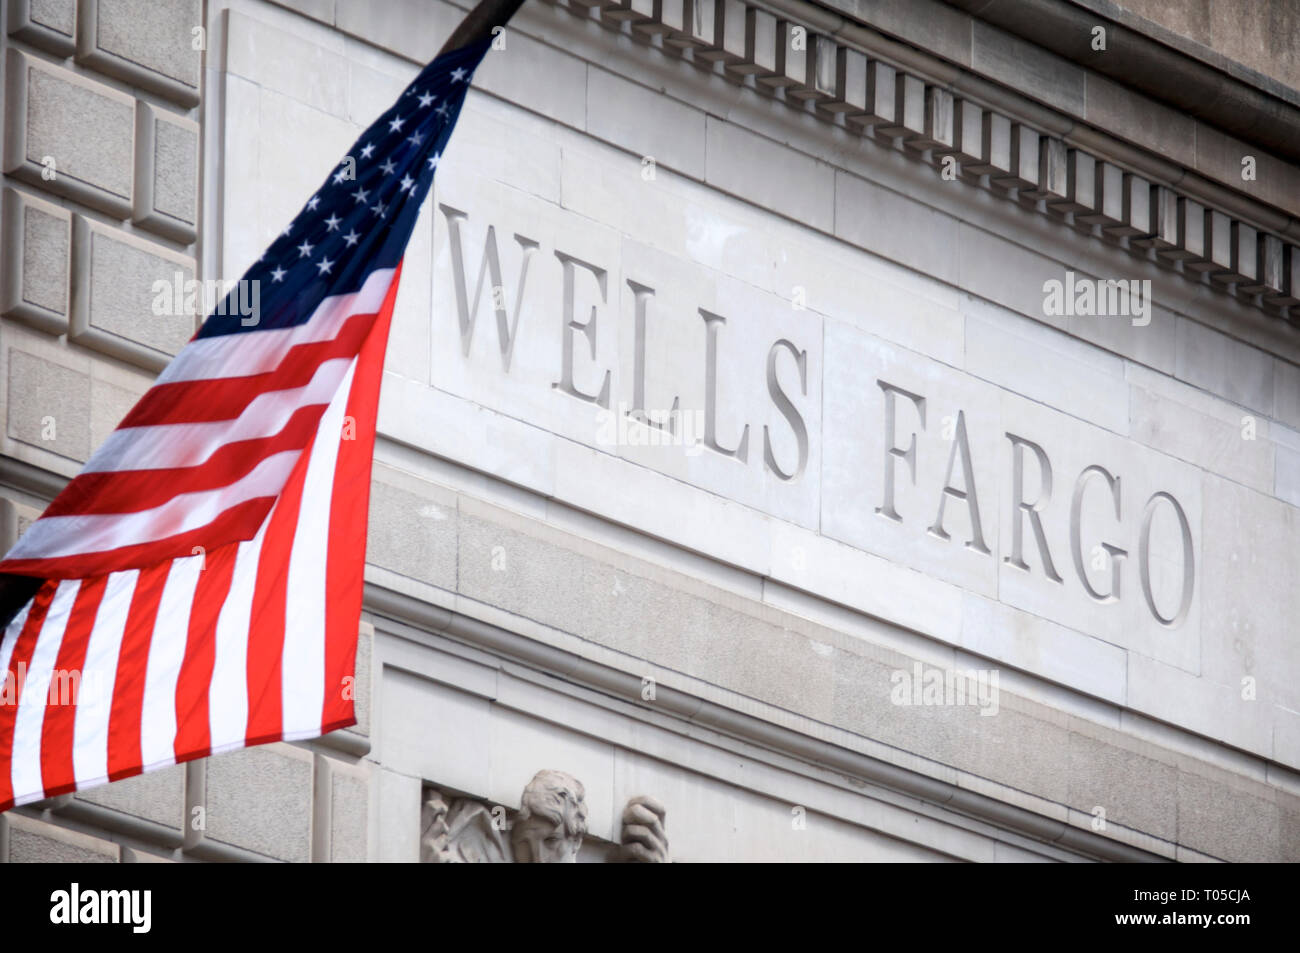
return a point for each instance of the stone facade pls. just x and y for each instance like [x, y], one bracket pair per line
[727, 412]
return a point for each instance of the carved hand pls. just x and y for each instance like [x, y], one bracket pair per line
[644, 838]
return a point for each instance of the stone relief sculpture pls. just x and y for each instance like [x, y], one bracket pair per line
[548, 828]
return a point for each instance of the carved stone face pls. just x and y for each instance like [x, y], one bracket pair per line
[538, 841]
[552, 819]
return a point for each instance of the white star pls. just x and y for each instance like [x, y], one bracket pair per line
[305, 248]
[324, 265]
[278, 274]
[332, 222]
[388, 168]
[458, 75]
[443, 110]
[351, 237]
[312, 203]
[415, 137]
[340, 177]
[287, 229]
[396, 124]
[426, 100]
[379, 209]
[366, 150]
[433, 160]
[407, 183]
[360, 196]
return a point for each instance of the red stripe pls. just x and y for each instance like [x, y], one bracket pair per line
[58, 729]
[236, 524]
[130, 491]
[21, 657]
[345, 560]
[124, 757]
[209, 400]
[193, 729]
[270, 594]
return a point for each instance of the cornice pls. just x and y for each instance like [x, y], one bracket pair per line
[814, 60]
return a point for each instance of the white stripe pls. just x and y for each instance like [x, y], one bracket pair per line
[98, 679]
[228, 691]
[7, 643]
[56, 536]
[166, 653]
[25, 763]
[168, 446]
[302, 667]
[256, 352]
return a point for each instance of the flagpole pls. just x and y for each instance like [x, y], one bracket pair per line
[479, 23]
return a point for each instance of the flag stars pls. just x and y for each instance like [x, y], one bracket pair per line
[351, 237]
[406, 183]
[367, 150]
[340, 176]
[324, 265]
[305, 248]
[312, 203]
[388, 168]
[443, 110]
[287, 229]
[395, 124]
[433, 160]
[415, 138]
[426, 100]
[278, 274]
[360, 195]
[379, 209]
[458, 75]
[333, 222]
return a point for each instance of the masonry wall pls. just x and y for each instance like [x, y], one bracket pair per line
[526, 577]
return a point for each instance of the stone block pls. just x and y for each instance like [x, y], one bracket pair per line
[36, 842]
[342, 809]
[646, 122]
[1134, 788]
[167, 173]
[34, 266]
[413, 528]
[770, 175]
[1022, 160]
[921, 237]
[411, 28]
[1223, 817]
[1160, 229]
[69, 134]
[909, 109]
[157, 796]
[49, 24]
[126, 303]
[968, 134]
[1225, 366]
[260, 799]
[49, 405]
[144, 43]
[302, 70]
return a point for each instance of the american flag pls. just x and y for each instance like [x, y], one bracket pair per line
[199, 583]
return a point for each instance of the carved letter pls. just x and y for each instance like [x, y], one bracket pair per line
[741, 453]
[1020, 507]
[1076, 532]
[1144, 561]
[960, 447]
[787, 409]
[491, 265]
[588, 328]
[892, 450]
[642, 293]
